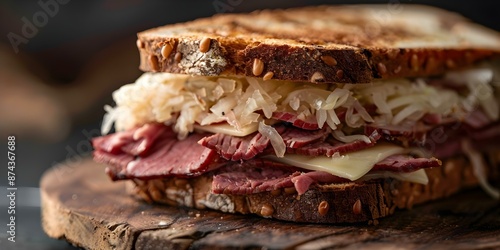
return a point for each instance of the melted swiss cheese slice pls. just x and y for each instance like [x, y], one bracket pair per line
[418, 176]
[351, 166]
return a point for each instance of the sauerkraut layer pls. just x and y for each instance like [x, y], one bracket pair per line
[185, 101]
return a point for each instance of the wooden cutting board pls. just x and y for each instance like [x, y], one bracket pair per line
[81, 205]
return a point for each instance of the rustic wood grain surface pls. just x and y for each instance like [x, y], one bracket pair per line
[80, 205]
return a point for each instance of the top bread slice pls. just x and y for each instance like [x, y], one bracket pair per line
[343, 44]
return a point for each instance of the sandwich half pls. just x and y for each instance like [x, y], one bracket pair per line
[329, 114]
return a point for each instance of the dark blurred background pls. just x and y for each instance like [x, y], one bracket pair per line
[57, 75]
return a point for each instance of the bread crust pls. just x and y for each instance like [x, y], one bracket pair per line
[343, 44]
[345, 203]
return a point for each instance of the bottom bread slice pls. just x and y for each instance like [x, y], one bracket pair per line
[331, 203]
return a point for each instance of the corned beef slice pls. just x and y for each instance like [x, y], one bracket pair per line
[162, 155]
[134, 142]
[237, 148]
[417, 134]
[308, 124]
[448, 140]
[408, 135]
[171, 157]
[166, 156]
[252, 176]
[331, 146]
[144, 137]
[406, 163]
[297, 138]
[113, 143]
[115, 162]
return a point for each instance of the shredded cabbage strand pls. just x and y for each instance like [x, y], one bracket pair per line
[479, 168]
[274, 137]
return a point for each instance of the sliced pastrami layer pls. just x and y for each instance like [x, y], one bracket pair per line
[166, 156]
[145, 136]
[257, 176]
[297, 141]
[236, 148]
[296, 138]
[477, 119]
[113, 143]
[409, 135]
[488, 133]
[114, 162]
[134, 142]
[309, 123]
[448, 143]
[332, 146]
[171, 157]
[434, 127]
[406, 163]
[252, 176]
[245, 148]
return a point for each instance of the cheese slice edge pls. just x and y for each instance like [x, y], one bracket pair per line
[225, 128]
[418, 176]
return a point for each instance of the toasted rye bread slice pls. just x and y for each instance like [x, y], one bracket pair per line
[333, 203]
[344, 44]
